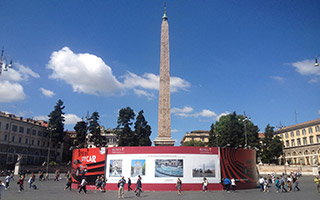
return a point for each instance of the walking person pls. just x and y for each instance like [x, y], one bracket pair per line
[283, 184]
[2, 185]
[98, 183]
[8, 178]
[68, 185]
[277, 182]
[179, 185]
[83, 185]
[121, 184]
[317, 182]
[103, 183]
[233, 184]
[138, 187]
[205, 185]
[21, 181]
[129, 185]
[296, 184]
[261, 182]
[227, 184]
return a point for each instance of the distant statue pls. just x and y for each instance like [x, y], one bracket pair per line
[314, 160]
[19, 159]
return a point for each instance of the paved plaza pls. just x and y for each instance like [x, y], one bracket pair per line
[52, 190]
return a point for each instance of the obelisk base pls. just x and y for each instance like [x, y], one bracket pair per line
[163, 141]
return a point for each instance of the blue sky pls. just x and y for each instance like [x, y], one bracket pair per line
[244, 56]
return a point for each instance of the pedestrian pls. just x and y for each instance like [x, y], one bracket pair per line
[68, 185]
[8, 178]
[317, 182]
[277, 184]
[227, 183]
[98, 183]
[283, 183]
[138, 187]
[265, 185]
[261, 182]
[179, 185]
[2, 185]
[296, 184]
[103, 184]
[20, 182]
[121, 184]
[57, 176]
[83, 185]
[204, 184]
[129, 184]
[233, 184]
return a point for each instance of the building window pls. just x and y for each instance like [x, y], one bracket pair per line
[298, 133]
[310, 130]
[202, 139]
[45, 134]
[192, 138]
[298, 142]
[32, 142]
[0, 125]
[21, 129]
[12, 138]
[34, 132]
[304, 141]
[311, 139]
[44, 143]
[292, 134]
[286, 135]
[292, 143]
[303, 131]
[318, 139]
[317, 128]
[38, 142]
[20, 139]
[5, 137]
[28, 130]
[281, 135]
[287, 143]
[14, 128]
[39, 133]
[26, 141]
[7, 126]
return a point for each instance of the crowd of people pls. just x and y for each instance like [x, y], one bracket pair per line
[283, 183]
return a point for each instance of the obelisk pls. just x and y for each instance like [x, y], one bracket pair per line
[164, 118]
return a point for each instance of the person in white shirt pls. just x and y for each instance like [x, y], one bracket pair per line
[8, 178]
[83, 185]
[2, 185]
[233, 184]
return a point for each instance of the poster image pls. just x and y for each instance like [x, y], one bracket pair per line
[168, 168]
[204, 168]
[115, 168]
[138, 167]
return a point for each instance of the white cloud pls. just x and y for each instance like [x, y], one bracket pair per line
[277, 78]
[71, 119]
[307, 68]
[11, 91]
[41, 117]
[175, 130]
[151, 81]
[188, 112]
[139, 92]
[206, 113]
[47, 93]
[186, 109]
[86, 73]
[10, 87]
[222, 114]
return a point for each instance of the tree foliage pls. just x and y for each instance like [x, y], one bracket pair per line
[271, 146]
[94, 129]
[81, 130]
[213, 139]
[142, 130]
[193, 143]
[232, 129]
[56, 122]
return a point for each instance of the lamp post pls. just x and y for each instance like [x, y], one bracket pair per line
[316, 64]
[50, 128]
[4, 63]
[245, 130]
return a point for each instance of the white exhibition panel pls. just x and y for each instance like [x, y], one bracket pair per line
[190, 162]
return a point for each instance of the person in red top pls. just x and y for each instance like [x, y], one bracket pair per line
[20, 182]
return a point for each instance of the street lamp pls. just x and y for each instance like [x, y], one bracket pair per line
[245, 130]
[50, 129]
[4, 63]
[316, 64]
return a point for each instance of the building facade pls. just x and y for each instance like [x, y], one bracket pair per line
[198, 135]
[26, 137]
[109, 138]
[301, 143]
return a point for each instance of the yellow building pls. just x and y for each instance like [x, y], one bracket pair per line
[301, 142]
[199, 135]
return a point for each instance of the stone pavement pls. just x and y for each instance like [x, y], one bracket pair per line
[52, 190]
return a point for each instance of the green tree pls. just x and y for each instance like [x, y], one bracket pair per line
[56, 122]
[271, 146]
[81, 130]
[125, 135]
[193, 143]
[213, 139]
[142, 130]
[94, 129]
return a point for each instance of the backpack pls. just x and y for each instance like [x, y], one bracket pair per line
[119, 184]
